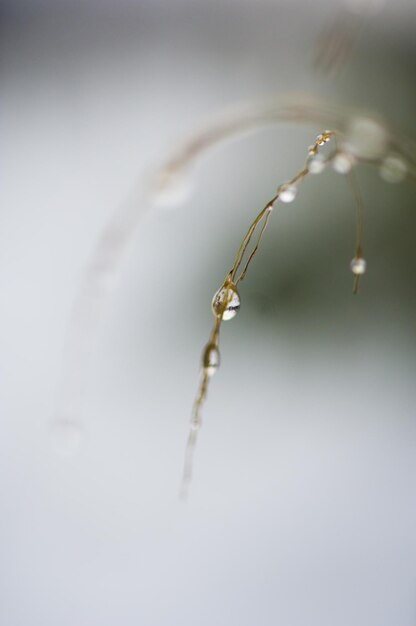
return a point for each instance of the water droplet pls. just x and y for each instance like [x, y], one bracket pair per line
[211, 359]
[323, 138]
[358, 266]
[393, 169]
[343, 162]
[315, 164]
[287, 193]
[226, 302]
[366, 138]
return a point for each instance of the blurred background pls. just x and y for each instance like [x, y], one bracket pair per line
[302, 508]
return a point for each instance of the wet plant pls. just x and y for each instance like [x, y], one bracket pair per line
[367, 141]
[355, 138]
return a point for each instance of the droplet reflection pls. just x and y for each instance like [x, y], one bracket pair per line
[226, 302]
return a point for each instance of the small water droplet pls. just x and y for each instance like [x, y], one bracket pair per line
[226, 302]
[343, 162]
[287, 193]
[323, 138]
[366, 138]
[393, 169]
[315, 164]
[211, 359]
[358, 266]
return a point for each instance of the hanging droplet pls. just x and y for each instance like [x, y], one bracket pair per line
[226, 302]
[358, 266]
[323, 138]
[393, 169]
[211, 359]
[315, 164]
[343, 162]
[287, 193]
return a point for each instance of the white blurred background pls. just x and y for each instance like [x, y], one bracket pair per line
[302, 510]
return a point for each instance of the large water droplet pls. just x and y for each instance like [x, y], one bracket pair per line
[226, 302]
[211, 359]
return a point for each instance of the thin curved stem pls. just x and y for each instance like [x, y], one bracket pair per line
[231, 279]
[253, 253]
